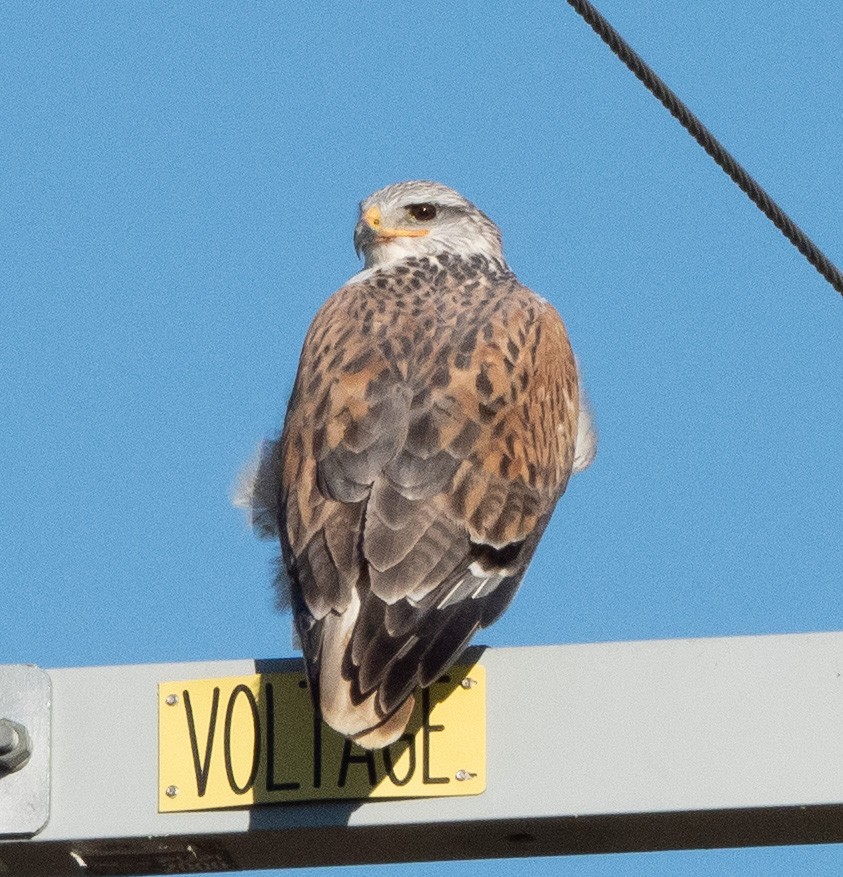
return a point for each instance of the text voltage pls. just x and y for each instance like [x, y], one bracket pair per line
[243, 740]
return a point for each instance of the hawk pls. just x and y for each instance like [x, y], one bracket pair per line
[436, 417]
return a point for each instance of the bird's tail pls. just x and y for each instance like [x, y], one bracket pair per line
[334, 693]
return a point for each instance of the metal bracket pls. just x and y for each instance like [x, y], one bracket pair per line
[25, 703]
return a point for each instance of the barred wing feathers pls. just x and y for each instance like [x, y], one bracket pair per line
[431, 431]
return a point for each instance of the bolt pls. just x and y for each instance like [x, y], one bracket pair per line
[15, 746]
[9, 738]
[462, 775]
[172, 699]
[171, 791]
[468, 682]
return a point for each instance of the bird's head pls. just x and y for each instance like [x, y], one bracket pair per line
[421, 218]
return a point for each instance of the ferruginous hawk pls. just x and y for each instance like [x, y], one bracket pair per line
[435, 420]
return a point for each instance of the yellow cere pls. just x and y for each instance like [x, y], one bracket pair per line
[373, 217]
[239, 741]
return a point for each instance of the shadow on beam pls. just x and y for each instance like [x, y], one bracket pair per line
[305, 847]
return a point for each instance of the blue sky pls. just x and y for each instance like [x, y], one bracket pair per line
[178, 195]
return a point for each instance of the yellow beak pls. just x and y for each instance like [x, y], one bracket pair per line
[372, 217]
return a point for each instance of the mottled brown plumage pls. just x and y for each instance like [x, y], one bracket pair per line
[432, 428]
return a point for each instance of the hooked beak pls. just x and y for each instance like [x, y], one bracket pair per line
[370, 229]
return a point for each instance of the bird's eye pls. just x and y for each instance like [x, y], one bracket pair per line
[422, 212]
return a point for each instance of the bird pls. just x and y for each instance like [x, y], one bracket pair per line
[436, 417]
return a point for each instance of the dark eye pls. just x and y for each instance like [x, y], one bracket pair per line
[422, 212]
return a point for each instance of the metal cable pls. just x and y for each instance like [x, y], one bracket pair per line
[710, 144]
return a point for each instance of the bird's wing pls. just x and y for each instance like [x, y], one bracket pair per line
[419, 465]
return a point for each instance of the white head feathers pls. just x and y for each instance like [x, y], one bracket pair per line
[423, 218]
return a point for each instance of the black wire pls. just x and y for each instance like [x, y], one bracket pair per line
[710, 144]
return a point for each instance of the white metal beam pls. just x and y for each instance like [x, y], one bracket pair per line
[591, 748]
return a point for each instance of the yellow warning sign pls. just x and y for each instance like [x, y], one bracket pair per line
[238, 741]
